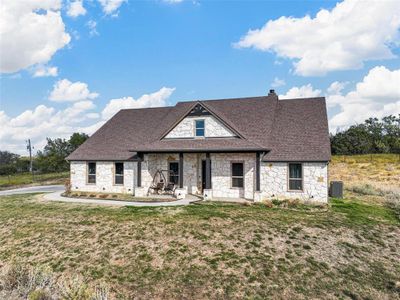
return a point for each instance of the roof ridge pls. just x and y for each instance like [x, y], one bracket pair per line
[147, 108]
[302, 99]
[224, 99]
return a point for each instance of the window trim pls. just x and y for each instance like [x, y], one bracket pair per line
[288, 178]
[243, 176]
[177, 175]
[87, 173]
[115, 173]
[195, 128]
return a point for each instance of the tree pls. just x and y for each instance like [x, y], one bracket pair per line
[8, 163]
[77, 139]
[354, 140]
[373, 136]
[391, 128]
[52, 158]
[7, 158]
[8, 170]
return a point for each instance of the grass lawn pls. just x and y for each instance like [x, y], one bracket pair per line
[26, 179]
[217, 251]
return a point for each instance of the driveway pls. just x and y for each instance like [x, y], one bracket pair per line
[33, 189]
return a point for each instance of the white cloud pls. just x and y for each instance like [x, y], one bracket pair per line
[40, 114]
[336, 87]
[155, 99]
[110, 7]
[340, 39]
[76, 9]
[40, 123]
[92, 115]
[43, 121]
[30, 33]
[278, 82]
[377, 95]
[65, 90]
[92, 25]
[45, 71]
[304, 91]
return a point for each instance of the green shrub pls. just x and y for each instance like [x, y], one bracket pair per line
[276, 202]
[392, 200]
[365, 189]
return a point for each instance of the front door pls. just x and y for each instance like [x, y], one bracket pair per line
[173, 172]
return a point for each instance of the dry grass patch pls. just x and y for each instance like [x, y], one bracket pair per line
[209, 251]
[378, 169]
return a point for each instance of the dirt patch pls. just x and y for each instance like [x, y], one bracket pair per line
[117, 197]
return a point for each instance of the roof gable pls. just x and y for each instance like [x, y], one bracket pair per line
[199, 109]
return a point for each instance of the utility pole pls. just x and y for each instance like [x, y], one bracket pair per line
[29, 147]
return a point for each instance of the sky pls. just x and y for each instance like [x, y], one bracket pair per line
[70, 65]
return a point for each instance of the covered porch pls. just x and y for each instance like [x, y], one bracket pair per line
[210, 175]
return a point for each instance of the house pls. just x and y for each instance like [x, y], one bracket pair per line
[253, 148]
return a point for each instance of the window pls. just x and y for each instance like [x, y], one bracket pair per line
[199, 127]
[91, 172]
[237, 175]
[119, 173]
[174, 172]
[295, 177]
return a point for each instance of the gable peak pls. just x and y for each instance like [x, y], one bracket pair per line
[199, 110]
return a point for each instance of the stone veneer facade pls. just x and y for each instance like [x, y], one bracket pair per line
[273, 177]
[274, 181]
[104, 177]
[186, 128]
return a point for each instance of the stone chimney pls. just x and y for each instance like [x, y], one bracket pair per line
[272, 93]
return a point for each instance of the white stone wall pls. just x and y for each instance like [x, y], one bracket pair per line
[213, 128]
[274, 182]
[274, 177]
[104, 178]
[221, 175]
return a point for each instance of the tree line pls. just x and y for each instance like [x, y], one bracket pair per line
[372, 136]
[50, 159]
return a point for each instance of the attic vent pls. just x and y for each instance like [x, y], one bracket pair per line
[199, 110]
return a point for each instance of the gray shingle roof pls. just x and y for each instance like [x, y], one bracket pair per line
[288, 130]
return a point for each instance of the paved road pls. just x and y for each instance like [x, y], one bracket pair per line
[33, 189]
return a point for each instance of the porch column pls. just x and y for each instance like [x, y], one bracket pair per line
[181, 170]
[139, 170]
[208, 171]
[258, 171]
